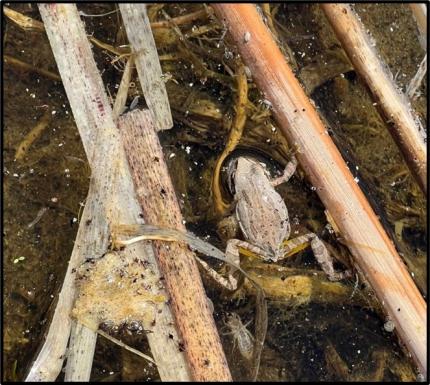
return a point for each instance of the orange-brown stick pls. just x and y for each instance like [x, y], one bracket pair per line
[402, 125]
[373, 251]
[176, 261]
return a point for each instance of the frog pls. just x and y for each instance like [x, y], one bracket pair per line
[262, 216]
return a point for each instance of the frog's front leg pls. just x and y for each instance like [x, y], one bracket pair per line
[289, 171]
[320, 252]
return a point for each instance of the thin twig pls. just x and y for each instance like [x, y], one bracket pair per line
[33, 135]
[125, 346]
[20, 65]
[180, 19]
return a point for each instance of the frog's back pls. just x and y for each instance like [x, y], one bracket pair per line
[261, 211]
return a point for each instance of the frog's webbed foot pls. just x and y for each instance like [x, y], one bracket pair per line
[232, 255]
[229, 283]
[289, 171]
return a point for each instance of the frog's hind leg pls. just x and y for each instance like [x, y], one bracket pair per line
[321, 254]
[325, 260]
[289, 171]
[293, 246]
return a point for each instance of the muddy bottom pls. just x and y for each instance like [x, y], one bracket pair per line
[309, 339]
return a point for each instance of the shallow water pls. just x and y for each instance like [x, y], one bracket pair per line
[44, 193]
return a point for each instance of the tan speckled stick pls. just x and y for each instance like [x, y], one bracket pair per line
[373, 251]
[403, 126]
[160, 206]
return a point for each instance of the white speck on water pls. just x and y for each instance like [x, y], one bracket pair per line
[172, 155]
[54, 199]
[313, 188]
[267, 103]
[74, 220]
[188, 149]
[16, 175]
[389, 326]
[53, 112]
[60, 144]
[356, 180]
